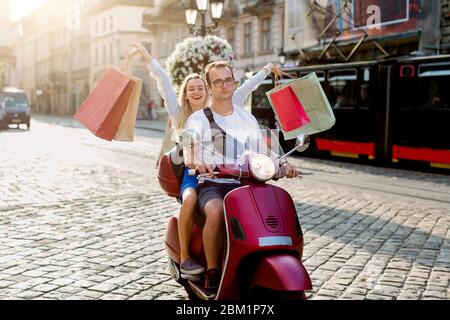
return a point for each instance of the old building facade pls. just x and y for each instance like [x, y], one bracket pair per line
[113, 26]
[7, 57]
[253, 28]
[65, 46]
[347, 30]
[43, 56]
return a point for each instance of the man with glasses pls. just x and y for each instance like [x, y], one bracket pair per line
[227, 117]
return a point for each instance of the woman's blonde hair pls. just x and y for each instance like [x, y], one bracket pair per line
[185, 108]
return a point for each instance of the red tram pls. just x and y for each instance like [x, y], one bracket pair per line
[388, 112]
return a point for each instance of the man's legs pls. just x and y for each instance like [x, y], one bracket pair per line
[211, 202]
[213, 232]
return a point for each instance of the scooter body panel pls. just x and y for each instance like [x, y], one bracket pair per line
[260, 221]
[172, 242]
[286, 273]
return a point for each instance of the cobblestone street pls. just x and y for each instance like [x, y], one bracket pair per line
[82, 218]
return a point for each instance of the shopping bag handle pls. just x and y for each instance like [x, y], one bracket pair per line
[124, 65]
[279, 78]
[126, 61]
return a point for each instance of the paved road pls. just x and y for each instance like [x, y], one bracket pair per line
[83, 218]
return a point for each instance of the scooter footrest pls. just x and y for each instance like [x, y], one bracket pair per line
[196, 286]
[191, 277]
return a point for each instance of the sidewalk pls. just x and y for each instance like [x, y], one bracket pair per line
[155, 125]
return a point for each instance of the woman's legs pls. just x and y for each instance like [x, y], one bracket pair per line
[185, 221]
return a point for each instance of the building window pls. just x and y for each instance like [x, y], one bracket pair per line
[111, 22]
[230, 36]
[96, 27]
[96, 56]
[111, 48]
[266, 32]
[294, 10]
[248, 38]
[179, 35]
[104, 24]
[104, 55]
[164, 50]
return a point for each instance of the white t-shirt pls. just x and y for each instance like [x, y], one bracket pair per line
[240, 125]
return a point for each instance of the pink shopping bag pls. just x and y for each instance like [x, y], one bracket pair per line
[289, 109]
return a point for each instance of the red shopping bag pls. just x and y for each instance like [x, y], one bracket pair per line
[103, 109]
[289, 109]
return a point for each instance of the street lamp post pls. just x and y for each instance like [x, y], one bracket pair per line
[201, 6]
[281, 57]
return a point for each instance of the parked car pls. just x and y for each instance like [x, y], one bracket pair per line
[14, 107]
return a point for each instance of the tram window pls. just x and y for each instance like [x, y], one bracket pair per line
[346, 74]
[342, 88]
[366, 74]
[259, 97]
[320, 75]
[365, 94]
[434, 93]
[430, 93]
[434, 83]
[405, 93]
[434, 70]
[365, 97]
[260, 102]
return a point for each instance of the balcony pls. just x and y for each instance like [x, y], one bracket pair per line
[95, 6]
[169, 12]
[258, 8]
[80, 74]
[7, 55]
[230, 11]
[57, 77]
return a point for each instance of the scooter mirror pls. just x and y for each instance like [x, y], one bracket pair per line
[302, 142]
[188, 137]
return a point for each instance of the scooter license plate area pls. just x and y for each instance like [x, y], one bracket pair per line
[275, 241]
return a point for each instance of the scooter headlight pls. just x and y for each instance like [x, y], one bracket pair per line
[262, 167]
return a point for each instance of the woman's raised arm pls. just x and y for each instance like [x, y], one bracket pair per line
[163, 82]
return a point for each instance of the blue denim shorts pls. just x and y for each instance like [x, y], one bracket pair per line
[188, 182]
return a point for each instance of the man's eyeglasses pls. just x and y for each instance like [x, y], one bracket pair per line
[218, 83]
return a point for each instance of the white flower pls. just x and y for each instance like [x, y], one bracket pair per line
[190, 54]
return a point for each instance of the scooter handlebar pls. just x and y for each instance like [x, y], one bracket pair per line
[195, 172]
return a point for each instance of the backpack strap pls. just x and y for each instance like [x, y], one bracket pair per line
[212, 123]
[218, 135]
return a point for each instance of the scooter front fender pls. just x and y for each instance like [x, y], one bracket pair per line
[281, 272]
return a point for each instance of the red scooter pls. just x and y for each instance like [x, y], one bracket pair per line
[264, 241]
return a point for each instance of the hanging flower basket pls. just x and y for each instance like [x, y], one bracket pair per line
[193, 54]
